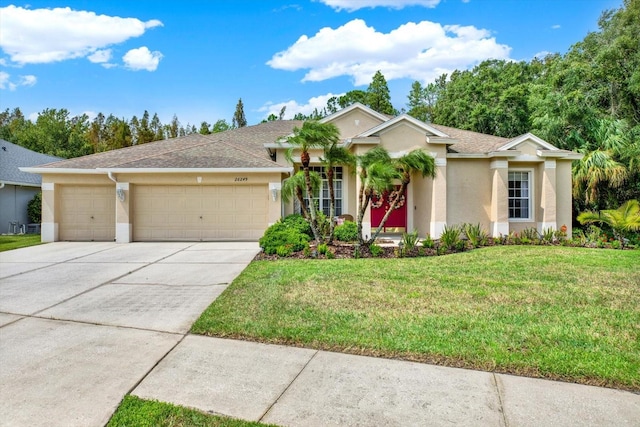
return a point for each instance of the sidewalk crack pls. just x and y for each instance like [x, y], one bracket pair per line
[287, 387]
[499, 392]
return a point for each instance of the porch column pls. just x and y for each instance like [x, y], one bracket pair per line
[49, 228]
[366, 219]
[124, 231]
[548, 196]
[500, 198]
[439, 199]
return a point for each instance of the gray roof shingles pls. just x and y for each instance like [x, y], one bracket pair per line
[235, 148]
[13, 156]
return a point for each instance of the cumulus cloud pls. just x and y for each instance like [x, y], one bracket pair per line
[556, 27]
[420, 51]
[100, 56]
[142, 59]
[353, 5]
[294, 108]
[7, 83]
[37, 36]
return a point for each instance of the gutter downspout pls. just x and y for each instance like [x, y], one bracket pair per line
[111, 177]
[1, 185]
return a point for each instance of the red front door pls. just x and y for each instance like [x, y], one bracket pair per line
[380, 206]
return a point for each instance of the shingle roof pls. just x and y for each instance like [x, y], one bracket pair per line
[471, 142]
[13, 156]
[235, 148]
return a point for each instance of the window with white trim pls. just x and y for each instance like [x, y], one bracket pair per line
[324, 198]
[520, 195]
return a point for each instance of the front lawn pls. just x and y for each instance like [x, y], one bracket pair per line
[542, 311]
[15, 241]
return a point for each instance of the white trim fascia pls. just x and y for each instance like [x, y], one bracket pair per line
[520, 139]
[560, 155]
[441, 140]
[48, 186]
[550, 164]
[499, 164]
[20, 184]
[352, 107]
[195, 170]
[367, 140]
[466, 156]
[405, 117]
[60, 170]
[510, 153]
[440, 161]
[526, 158]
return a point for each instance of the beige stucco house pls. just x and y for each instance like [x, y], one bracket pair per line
[226, 186]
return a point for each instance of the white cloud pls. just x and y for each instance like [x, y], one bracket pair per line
[541, 55]
[7, 83]
[294, 108]
[556, 27]
[100, 56]
[36, 36]
[4, 79]
[142, 59]
[353, 5]
[420, 51]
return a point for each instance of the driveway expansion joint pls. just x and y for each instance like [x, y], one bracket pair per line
[496, 383]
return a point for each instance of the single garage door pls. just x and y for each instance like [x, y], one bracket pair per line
[199, 213]
[87, 213]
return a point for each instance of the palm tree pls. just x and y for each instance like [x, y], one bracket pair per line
[377, 174]
[295, 187]
[334, 156]
[312, 135]
[622, 220]
[414, 161]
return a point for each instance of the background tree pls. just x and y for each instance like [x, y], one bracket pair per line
[239, 119]
[378, 95]
[220, 126]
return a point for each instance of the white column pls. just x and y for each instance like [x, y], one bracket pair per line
[500, 198]
[49, 227]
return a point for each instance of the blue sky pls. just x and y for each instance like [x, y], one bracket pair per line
[196, 58]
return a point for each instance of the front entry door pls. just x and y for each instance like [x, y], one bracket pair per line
[380, 206]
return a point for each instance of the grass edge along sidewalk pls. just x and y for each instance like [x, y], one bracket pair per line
[558, 313]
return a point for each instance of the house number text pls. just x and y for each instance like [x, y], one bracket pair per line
[241, 179]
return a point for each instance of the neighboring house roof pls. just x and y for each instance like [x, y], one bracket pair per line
[13, 156]
[241, 148]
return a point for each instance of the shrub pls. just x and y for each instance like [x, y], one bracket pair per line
[34, 209]
[347, 232]
[284, 251]
[323, 249]
[409, 241]
[475, 234]
[530, 234]
[428, 242]
[375, 250]
[450, 236]
[282, 234]
[299, 223]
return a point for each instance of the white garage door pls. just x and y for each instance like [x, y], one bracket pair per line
[199, 213]
[87, 213]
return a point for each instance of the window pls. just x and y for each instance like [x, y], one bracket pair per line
[519, 195]
[324, 200]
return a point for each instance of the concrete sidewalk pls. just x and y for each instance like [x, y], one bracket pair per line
[301, 387]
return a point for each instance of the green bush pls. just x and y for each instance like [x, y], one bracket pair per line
[286, 234]
[347, 232]
[375, 250]
[450, 236]
[284, 251]
[299, 223]
[323, 249]
[428, 242]
[34, 209]
[475, 234]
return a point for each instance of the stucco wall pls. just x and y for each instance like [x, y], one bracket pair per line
[564, 215]
[402, 137]
[469, 184]
[354, 123]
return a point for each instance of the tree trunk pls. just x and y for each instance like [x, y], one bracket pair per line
[303, 208]
[312, 205]
[332, 202]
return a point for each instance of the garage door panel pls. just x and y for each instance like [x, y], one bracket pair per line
[87, 213]
[199, 212]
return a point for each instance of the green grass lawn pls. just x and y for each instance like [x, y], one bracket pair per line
[9, 242]
[134, 411]
[541, 311]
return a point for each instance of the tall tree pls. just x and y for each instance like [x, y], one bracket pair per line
[378, 95]
[220, 126]
[239, 119]
[296, 185]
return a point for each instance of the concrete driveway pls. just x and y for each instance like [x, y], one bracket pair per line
[81, 324]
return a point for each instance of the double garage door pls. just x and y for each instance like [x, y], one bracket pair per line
[199, 213]
[161, 213]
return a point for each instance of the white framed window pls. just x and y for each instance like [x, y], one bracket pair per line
[324, 198]
[520, 188]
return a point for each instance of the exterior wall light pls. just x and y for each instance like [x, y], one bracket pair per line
[120, 194]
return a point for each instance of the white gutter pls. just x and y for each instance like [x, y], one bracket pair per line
[1, 185]
[194, 170]
[111, 177]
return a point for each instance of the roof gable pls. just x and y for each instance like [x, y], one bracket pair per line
[356, 106]
[404, 119]
[527, 137]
